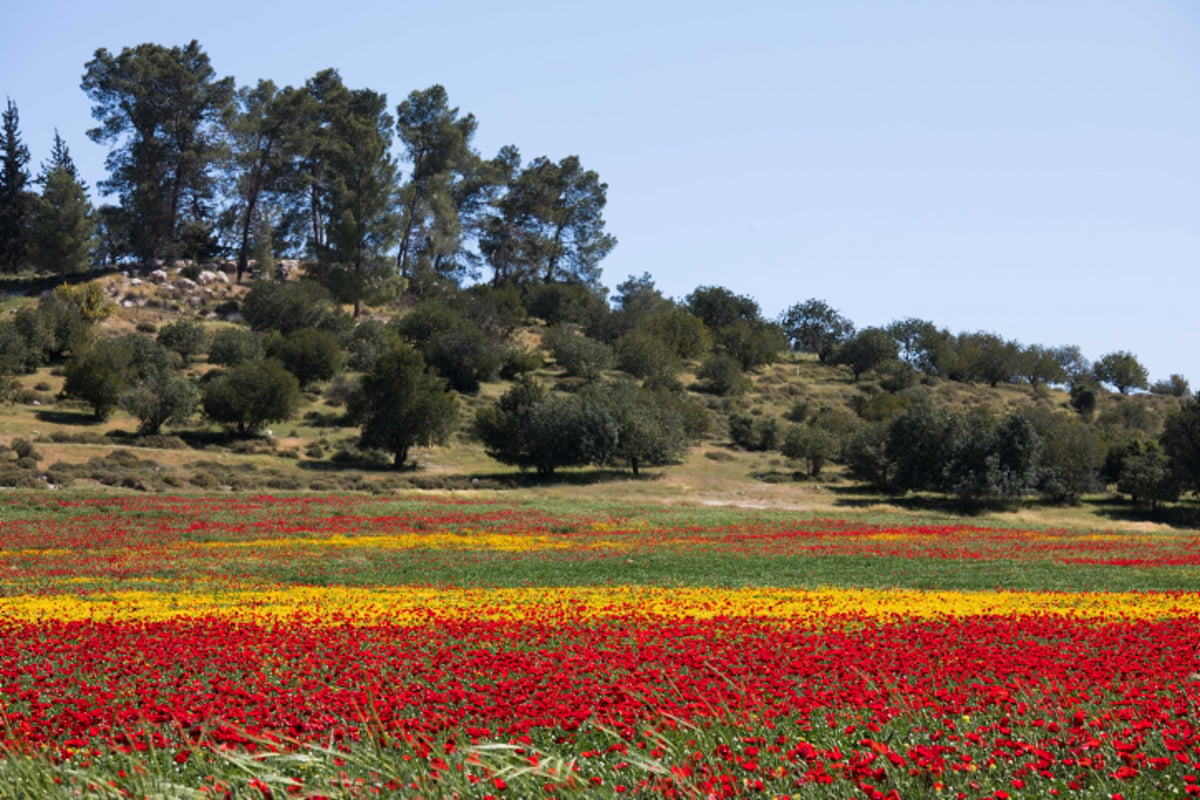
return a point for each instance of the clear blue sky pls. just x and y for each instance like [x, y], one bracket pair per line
[1030, 168]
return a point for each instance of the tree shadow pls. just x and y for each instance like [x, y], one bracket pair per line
[1176, 515]
[60, 417]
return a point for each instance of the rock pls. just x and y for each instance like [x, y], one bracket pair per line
[208, 276]
[158, 276]
[135, 281]
[221, 277]
[187, 284]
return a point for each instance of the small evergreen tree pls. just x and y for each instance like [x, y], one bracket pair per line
[64, 225]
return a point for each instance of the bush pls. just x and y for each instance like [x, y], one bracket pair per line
[754, 433]
[232, 346]
[810, 444]
[311, 355]
[252, 394]
[285, 306]
[721, 374]
[579, 355]
[185, 337]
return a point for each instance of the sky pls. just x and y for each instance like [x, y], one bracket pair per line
[1021, 167]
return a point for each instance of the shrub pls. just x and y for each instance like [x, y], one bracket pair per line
[721, 374]
[579, 355]
[232, 346]
[311, 355]
[185, 337]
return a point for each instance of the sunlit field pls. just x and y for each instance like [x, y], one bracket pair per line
[435, 646]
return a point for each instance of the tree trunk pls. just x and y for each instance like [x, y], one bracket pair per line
[399, 458]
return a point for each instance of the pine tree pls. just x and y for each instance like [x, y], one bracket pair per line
[16, 202]
[64, 224]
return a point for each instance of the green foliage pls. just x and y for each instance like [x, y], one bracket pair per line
[1174, 386]
[755, 433]
[811, 445]
[1083, 399]
[233, 346]
[160, 398]
[549, 225]
[580, 356]
[721, 374]
[717, 307]
[505, 428]
[571, 431]
[16, 201]
[866, 350]
[644, 355]
[920, 444]
[369, 340]
[185, 337]
[64, 227]
[497, 310]
[987, 357]
[684, 334]
[1122, 370]
[995, 464]
[814, 327]
[401, 404]
[651, 430]
[882, 407]
[1038, 365]
[446, 184]
[162, 110]
[85, 300]
[285, 306]
[248, 396]
[866, 456]
[452, 344]
[1181, 442]
[310, 354]
[1148, 480]
[565, 303]
[100, 375]
[752, 343]
[1071, 456]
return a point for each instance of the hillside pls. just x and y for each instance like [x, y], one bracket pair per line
[316, 449]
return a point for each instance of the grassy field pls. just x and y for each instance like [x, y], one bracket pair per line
[534, 644]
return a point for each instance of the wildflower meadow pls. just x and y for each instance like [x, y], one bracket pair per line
[453, 646]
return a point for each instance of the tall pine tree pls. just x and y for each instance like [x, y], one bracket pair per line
[64, 224]
[16, 202]
[162, 110]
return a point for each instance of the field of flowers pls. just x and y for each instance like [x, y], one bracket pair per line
[435, 646]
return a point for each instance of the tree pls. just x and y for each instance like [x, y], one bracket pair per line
[911, 334]
[988, 357]
[185, 337]
[579, 355]
[505, 427]
[721, 374]
[451, 343]
[650, 429]
[1174, 386]
[920, 444]
[16, 202]
[232, 346]
[1122, 370]
[814, 327]
[270, 130]
[549, 225]
[401, 404]
[99, 376]
[571, 431]
[1038, 365]
[357, 193]
[162, 110]
[310, 354]
[1181, 442]
[441, 186]
[156, 395]
[866, 350]
[1148, 480]
[810, 444]
[248, 396]
[285, 306]
[1071, 456]
[995, 463]
[64, 225]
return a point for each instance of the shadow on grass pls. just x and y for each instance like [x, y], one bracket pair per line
[1177, 515]
[60, 417]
